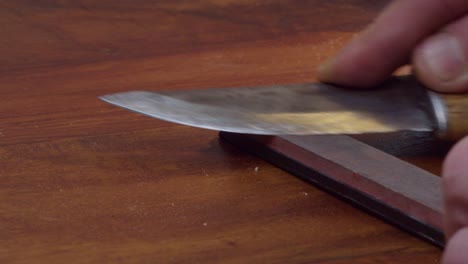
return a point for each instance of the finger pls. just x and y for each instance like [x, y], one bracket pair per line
[455, 188]
[455, 250]
[389, 41]
[441, 61]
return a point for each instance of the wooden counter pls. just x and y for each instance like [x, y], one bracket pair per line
[82, 181]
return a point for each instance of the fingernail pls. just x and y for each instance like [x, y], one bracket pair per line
[444, 57]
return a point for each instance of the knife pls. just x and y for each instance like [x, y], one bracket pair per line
[401, 104]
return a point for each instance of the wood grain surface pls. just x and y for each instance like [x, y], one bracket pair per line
[82, 181]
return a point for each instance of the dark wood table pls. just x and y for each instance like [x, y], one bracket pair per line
[82, 181]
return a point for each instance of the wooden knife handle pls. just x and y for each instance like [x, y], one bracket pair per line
[451, 113]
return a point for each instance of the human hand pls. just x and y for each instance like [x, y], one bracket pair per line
[432, 35]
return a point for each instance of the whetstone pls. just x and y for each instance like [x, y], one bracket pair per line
[394, 190]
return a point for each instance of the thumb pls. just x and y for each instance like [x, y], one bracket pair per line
[441, 61]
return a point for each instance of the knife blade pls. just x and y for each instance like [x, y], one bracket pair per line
[401, 104]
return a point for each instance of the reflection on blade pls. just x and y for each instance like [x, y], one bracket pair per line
[291, 109]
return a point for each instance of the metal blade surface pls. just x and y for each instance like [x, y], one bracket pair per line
[298, 109]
